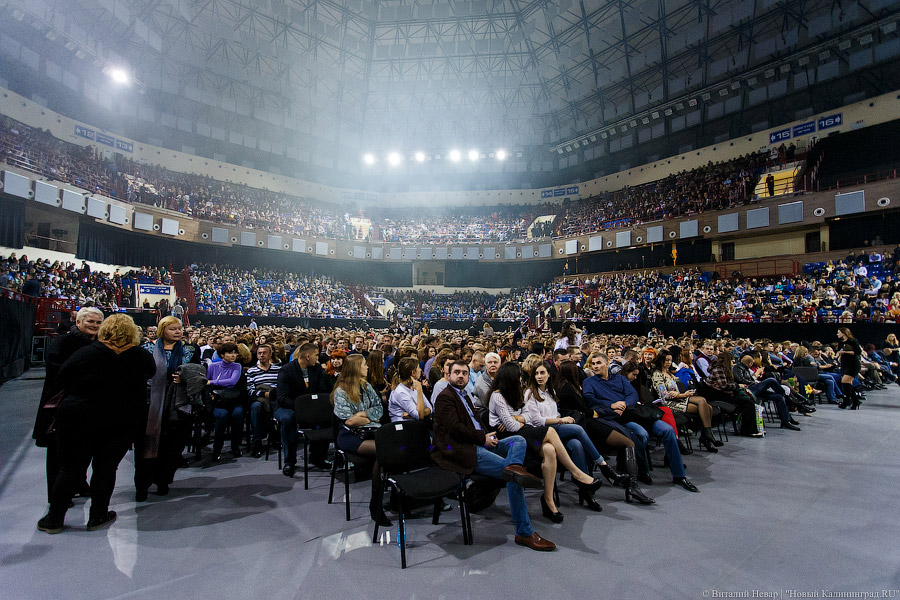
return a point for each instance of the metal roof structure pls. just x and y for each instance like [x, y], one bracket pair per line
[557, 84]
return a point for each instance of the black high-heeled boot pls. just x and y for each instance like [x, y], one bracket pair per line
[857, 399]
[707, 441]
[612, 475]
[589, 501]
[849, 395]
[632, 491]
[712, 436]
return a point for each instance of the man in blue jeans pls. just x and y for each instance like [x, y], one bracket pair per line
[461, 445]
[614, 392]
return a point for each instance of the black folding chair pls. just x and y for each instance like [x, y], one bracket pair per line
[313, 413]
[342, 460]
[811, 375]
[403, 451]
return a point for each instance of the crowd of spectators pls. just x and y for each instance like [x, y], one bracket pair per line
[459, 225]
[860, 288]
[222, 290]
[712, 187]
[715, 186]
[855, 288]
[43, 278]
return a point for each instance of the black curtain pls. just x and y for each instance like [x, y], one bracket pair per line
[471, 273]
[853, 232]
[17, 325]
[645, 257]
[109, 245]
[12, 221]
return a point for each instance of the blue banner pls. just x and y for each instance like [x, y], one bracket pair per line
[564, 298]
[84, 132]
[559, 192]
[546, 193]
[123, 145]
[572, 189]
[105, 139]
[780, 135]
[835, 120]
[162, 290]
[804, 128]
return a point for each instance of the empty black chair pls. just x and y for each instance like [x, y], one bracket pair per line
[314, 414]
[403, 451]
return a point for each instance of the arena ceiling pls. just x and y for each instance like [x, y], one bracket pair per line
[336, 78]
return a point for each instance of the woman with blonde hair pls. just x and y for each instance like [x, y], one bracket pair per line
[104, 385]
[358, 408]
[162, 440]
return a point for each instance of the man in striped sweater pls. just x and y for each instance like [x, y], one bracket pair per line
[261, 383]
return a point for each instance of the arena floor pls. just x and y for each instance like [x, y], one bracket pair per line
[805, 512]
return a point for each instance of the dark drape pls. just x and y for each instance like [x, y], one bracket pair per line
[109, 245]
[12, 221]
[17, 327]
[471, 273]
[853, 232]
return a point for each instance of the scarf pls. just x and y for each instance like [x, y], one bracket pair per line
[155, 417]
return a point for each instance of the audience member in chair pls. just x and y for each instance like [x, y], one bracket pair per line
[262, 382]
[491, 365]
[223, 379]
[300, 377]
[461, 445]
[408, 401]
[358, 407]
[745, 374]
[606, 431]
[544, 445]
[720, 386]
[614, 392]
[666, 386]
[541, 410]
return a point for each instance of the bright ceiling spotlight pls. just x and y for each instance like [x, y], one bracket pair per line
[473, 155]
[394, 159]
[119, 76]
[501, 154]
[455, 155]
[420, 157]
[369, 159]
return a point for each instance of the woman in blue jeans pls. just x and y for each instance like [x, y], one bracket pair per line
[223, 377]
[541, 410]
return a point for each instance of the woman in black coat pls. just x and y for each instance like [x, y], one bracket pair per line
[105, 394]
[87, 324]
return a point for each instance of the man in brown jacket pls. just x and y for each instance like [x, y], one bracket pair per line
[462, 445]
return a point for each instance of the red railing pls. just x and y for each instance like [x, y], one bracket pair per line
[857, 179]
[759, 268]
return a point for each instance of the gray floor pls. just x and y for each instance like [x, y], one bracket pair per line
[806, 511]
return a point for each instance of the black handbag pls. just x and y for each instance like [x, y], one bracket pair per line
[575, 414]
[363, 433]
[641, 413]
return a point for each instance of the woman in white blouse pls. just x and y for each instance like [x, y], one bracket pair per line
[541, 409]
[408, 402]
[569, 336]
[543, 443]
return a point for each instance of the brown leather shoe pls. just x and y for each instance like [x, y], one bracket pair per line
[536, 542]
[518, 474]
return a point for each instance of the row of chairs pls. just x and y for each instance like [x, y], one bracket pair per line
[403, 453]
